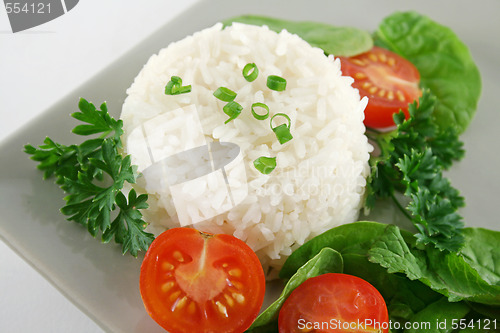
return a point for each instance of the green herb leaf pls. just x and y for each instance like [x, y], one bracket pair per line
[128, 227]
[445, 64]
[339, 41]
[99, 121]
[93, 174]
[326, 261]
[412, 161]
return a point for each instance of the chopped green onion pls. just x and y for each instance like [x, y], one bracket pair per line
[176, 79]
[282, 131]
[265, 165]
[275, 82]
[260, 116]
[233, 110]
[175, 87]
[250, 72]
[225, 94]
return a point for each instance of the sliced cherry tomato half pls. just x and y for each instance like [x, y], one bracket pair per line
[193, 281]
[334, 302]
[388, 80]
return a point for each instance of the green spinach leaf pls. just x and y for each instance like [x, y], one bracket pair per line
[438, 317]
[482, 252]
[326, 261]
[339, 41]
[403, 297]
[444, 272]
[354, 238]
[445, 64]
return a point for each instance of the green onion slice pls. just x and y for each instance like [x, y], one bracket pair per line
[265, 165]
[176, 80]
[233, 110]
[282, 131]
[260, 116]
[175, 87]
[275, 82]
[225, 94]
[250, 72]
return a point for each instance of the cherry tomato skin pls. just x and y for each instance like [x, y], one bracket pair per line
[388, 80]
[334, 302]
[198, 282]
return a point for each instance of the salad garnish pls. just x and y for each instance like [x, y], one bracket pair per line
[431, 286]
[411, 161]
[92, 174]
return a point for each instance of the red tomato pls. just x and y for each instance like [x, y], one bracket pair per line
[334, 303]
[197, 282]
[389, 81]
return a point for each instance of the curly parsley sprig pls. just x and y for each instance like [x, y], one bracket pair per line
[411, 161]
[93, 174]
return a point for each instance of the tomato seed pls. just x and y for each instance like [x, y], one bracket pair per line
[235, 272]
[239, 298]
[400, 95]
[175, 295]
[360, 76]
[358, 62]
[167, 266]
[191, 307]
[180, 303]
[167, 286]
[222, 309]
[229, 300]
[178, 256]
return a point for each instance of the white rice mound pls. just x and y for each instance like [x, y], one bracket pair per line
[320, 178]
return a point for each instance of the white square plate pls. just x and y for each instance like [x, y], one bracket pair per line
[102, 282]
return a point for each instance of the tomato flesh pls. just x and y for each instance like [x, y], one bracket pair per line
[197, 282]
[334, 302]
[388, 80]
